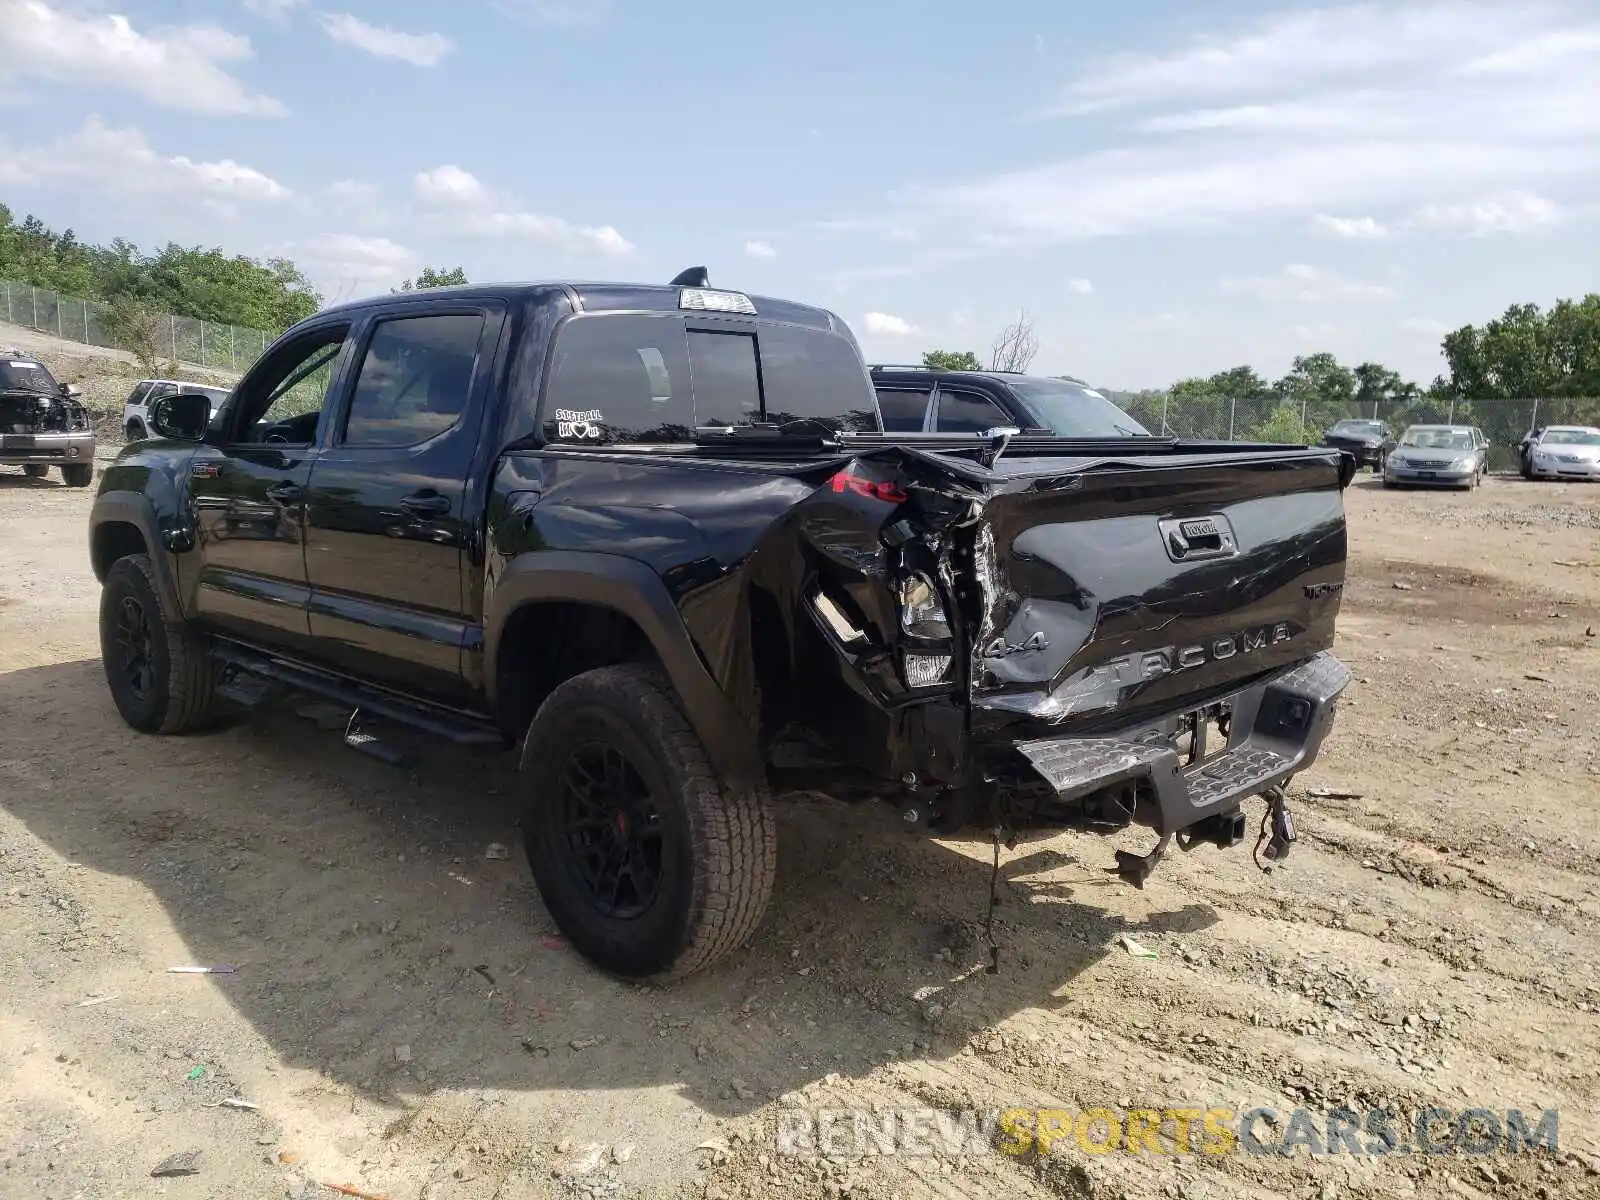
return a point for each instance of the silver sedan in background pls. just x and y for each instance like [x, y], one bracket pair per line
[1439, 455]
[1565, 452]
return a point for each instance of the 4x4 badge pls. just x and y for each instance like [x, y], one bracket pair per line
[1000, 648]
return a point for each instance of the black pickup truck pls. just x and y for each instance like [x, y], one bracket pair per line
[657, 535]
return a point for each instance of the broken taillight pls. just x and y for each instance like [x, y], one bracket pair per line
[849, 481]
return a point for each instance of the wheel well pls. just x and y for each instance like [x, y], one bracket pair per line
[111, 541]
[548, 642]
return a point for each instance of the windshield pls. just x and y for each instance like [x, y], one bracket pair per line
[21, 374]
[1072, 410]
[1437, 439]
[1572, 437]
[1375, 428]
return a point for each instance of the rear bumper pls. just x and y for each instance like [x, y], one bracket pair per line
[54, 448]
[1277, 730]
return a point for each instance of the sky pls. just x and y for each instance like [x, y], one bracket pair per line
[1167, 189]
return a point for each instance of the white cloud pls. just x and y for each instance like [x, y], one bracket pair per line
[757, 248]
[1371, 109]
[888, 325]
[418, 49]
[461, 204]
[1306, 284]
[176, 67]
[121, 161]
[1515, 212]
[1358, 228]
[450, 185]
[346, 258]
[1081, 287]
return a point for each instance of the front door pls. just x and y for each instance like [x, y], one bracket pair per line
[248, 488]
[388, 513]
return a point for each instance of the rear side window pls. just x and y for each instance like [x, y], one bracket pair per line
[903, 409]
[812, 375]
[136, 397]
[727, 385]
[628, 378]
[966, 412]
[619, 379]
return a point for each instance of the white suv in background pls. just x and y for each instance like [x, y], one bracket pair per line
[136, 408]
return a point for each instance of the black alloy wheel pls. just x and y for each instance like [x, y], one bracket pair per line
[612, 828]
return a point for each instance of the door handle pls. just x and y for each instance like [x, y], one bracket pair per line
[426, 503]
[285, 493]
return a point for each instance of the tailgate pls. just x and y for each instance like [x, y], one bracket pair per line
[1116, 593]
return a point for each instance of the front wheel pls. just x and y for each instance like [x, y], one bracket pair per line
[161, 678]
[78, 474]
[650, 864]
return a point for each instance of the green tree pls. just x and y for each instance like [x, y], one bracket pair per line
[951, 360]
[430, 278]
[191, 281]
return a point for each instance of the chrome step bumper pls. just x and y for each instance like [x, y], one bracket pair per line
[1276, 730]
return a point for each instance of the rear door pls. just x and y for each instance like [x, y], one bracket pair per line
[958, 410]
[388, 511]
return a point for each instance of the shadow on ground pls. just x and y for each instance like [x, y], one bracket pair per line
[362, 913]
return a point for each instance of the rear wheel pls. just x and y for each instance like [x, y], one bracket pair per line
[35, 470]
[649, 864]
[160, 675]
[135, 431]
[78, 474]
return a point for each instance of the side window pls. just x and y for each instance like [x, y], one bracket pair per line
[903, 409]
[619, 378]
[967, 412]
[281, 400]
[136, 397]
[414, 379]
[727, 386]
[813, 375]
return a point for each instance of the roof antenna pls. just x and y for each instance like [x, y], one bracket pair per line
[694, 277]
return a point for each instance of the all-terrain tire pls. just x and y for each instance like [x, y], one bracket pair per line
[78, 474]
[135, 432]
[35, 470]
[178, 694]
[717, 852]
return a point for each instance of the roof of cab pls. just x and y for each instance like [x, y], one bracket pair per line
[602, 297]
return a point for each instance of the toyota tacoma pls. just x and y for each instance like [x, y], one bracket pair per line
[657, 537]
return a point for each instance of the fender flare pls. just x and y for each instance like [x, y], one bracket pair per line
[634, 590]
[131, 508]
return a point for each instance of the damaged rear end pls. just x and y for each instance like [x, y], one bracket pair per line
[1080, 636]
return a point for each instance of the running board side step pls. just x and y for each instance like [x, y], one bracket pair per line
[249, 677]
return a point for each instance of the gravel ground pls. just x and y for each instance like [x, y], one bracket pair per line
[406, 1024]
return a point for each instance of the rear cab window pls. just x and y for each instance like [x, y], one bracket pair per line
[636, 378]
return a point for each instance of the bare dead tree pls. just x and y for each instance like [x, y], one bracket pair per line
[1015, 347]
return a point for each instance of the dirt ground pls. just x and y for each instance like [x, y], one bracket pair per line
[406, 1024]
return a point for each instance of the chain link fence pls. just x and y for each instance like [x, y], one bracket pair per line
[1214, 418]
[184, 340]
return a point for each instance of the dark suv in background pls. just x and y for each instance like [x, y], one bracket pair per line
[931, 400]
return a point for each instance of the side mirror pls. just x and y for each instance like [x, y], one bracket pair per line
[183, 417]
[71, 391]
